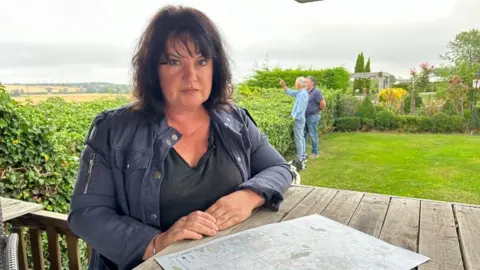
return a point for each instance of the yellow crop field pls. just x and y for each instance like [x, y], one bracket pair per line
[69, 97]
[27, 89]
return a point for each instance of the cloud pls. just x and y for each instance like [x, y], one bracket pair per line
[397, 45]
[395, 34]
[22, 55]
[392, 47]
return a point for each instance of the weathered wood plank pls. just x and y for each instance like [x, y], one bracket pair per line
[22, 249]
[370, 214]
[342, 206]
[293, 196]
[12, 208]
[54, 255]
[469, 230]
[438, 237]
[73, 252]
[314, 203]
[40, 219]
[37, 250]
[267, 217]
[401, 224]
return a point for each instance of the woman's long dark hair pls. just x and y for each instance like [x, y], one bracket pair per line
[179, 23]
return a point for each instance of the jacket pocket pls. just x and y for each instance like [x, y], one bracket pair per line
[91, 164]
[130, 162]
[134, 166]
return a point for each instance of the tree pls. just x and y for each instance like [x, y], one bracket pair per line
[457, 94]
[420, 83]
[464, 53]
[359, 67]
[367, 69]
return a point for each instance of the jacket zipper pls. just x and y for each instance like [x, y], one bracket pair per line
[92, 161]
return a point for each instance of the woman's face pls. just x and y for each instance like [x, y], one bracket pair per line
[186, 80]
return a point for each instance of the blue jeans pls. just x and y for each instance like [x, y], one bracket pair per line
[298, 132]
[311, 126]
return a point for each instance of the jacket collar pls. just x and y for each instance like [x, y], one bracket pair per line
[229, 120]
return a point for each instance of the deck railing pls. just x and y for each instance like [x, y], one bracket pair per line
[56, 227]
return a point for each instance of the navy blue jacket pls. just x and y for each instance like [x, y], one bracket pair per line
[115, 202]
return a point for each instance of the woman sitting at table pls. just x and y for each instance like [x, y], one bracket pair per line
[183, 161]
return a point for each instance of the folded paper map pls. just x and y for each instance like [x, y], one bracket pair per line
[311, 242]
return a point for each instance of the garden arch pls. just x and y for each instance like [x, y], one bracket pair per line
[384, 79]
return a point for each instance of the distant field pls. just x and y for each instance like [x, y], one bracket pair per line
[68, 97]
[27, 89]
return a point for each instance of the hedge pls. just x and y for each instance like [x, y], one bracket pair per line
[348, 123]
[39, 153]
[333, 78]
[387, 121]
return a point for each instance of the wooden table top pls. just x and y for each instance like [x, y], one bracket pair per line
[447, 233]
[12, 208]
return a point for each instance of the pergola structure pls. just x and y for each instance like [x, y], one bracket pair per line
[384, 79]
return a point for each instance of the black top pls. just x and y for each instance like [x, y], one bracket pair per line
[185, 189]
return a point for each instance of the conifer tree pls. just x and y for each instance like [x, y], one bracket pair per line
[359, 67]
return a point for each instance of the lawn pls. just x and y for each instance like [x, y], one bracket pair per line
[437, 167]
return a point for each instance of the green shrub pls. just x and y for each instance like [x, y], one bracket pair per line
[440, 122]
[426, 124]
[406, 102]
[335, 106]
[443, 123]
[348, 123]
[39, 157]
[468, 118]
[271, 107]
[457, 124]
[368, 124]
[326, 122]
[449, 109]
[379, 107]
[385, 120]
[366, 109]
[411, 123]
[347, 106]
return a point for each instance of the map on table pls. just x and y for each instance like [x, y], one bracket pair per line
[311, 242]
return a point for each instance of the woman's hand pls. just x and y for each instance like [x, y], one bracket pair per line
[193, 226]
[235, 208]
[283, 84]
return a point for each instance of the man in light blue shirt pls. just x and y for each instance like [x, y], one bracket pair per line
[298, 114]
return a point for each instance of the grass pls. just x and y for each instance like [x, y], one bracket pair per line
[431, 166]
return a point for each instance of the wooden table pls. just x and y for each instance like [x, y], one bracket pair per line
[447, 233]
[12, 208]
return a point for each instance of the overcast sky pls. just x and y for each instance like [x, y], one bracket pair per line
[93, 40]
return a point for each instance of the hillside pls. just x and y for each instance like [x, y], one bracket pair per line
[66, 88]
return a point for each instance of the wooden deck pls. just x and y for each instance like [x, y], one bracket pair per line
[12, 208]
[447, 233]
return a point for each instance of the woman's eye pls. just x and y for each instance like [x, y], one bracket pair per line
[203, 62]
[173, 62]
